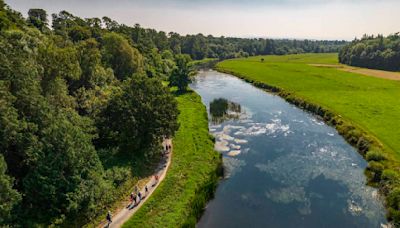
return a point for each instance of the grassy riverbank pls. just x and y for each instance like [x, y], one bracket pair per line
[365, 110]
[192, 176]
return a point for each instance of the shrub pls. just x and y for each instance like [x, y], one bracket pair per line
[393, 201]
[389, 179]
[375, 156]
[376, 168]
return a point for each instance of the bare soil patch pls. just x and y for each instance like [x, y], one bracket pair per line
[364, 71]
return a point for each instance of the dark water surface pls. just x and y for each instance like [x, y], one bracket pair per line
[284, 167]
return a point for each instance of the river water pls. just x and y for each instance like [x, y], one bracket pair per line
[283, 166]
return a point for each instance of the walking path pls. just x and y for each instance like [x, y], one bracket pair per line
[125, 213]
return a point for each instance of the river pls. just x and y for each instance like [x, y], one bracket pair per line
[283, 166]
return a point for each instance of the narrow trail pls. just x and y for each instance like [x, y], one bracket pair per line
[123, 214]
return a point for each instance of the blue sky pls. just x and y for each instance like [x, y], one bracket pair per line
[313, 19]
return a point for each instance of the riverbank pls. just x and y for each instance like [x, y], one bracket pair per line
[363, 109]
[192, 176]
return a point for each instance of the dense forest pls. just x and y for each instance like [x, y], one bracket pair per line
[78, 95]
[373, 52]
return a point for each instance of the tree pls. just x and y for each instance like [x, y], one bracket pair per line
[9, 197]
[66, 178]
[120, 56]
[180, 75]
[38, 18]
[138, 116]
[78, 33]
[373, 52]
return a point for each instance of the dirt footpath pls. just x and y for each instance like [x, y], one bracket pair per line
[124, 213]
[364, 71]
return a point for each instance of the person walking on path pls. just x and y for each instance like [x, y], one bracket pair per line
[155, 180]
[109, 218]
[139, 197]
[122, 215]
[132, 199]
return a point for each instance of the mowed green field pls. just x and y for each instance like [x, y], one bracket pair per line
[191, 178]
[373, 104]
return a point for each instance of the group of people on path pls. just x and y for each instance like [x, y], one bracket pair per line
[136, 196]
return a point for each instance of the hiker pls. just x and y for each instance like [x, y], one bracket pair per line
[155, 181]
[109, 216]
[133, 198]
[169, 147]
[139, 197]
[146, 190]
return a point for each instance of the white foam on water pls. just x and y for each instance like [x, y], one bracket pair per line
[236, 147]
[221, 146]
[240, 141]
[233, 153]
[226, 137]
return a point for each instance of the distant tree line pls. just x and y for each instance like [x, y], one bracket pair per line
[376, 52]
[200, 46]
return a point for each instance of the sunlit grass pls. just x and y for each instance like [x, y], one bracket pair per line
[191, 177]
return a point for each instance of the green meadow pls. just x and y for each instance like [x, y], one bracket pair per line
[371, 103]
[192, 176]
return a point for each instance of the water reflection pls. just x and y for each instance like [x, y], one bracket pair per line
[222, 109]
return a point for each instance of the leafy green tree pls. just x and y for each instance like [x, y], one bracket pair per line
[138, 116]
[60, 182]
[38, 18]
[78, 33]
[9, 197]
[181, 74]
[120, 56]
[373, 52]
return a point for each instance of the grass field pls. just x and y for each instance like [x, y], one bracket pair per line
[370, 104]
[192, 176]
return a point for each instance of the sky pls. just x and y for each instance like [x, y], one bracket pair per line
[294, 19]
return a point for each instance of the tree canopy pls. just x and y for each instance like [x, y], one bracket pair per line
[373, 52]
[181, 74]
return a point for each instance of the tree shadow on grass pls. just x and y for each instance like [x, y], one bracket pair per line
[139, 165]
[178, 93]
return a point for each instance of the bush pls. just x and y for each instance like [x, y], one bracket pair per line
[375, 156]
[376, 168]
[390, 177]
[393, 201]
[118, 175]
